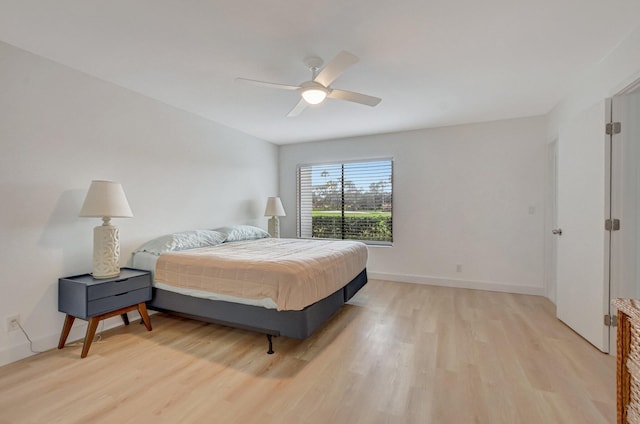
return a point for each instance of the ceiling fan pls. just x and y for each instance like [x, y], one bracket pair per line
[319, 87]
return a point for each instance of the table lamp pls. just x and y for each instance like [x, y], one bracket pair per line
[274, 209]
[106, 200]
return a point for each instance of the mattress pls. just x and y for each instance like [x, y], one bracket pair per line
[293, 273]
[147, 261]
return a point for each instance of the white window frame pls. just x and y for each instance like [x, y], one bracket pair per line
[304, 199]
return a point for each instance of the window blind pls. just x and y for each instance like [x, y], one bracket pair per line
[351, 200]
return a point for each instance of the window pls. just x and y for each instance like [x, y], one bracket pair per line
[351, 200]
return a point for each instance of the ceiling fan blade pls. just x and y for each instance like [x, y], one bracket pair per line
[268, 84]
[297, 110]
[335, 68]
[354, 97]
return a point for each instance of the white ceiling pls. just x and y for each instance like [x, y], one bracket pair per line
[433, 62]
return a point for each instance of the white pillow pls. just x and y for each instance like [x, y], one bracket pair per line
[242, 232]
[182, 241]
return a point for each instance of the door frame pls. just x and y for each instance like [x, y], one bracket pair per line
[608, 205]
[613, 159]
[551, 220]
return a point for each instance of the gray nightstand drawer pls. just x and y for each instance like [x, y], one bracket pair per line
[111, 303]
[117, 287]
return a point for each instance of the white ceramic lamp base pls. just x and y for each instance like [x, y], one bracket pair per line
[106, 252]
[274, 227]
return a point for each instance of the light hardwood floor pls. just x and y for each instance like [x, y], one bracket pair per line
[398, 353]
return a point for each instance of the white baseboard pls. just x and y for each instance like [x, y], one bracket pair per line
[461, 284]
[42, 344]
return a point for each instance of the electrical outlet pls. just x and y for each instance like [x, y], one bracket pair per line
[458, 268]
[12, 323]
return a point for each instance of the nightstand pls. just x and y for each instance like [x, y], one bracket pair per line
[85, 297]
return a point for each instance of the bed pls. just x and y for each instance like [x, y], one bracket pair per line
[238, 276]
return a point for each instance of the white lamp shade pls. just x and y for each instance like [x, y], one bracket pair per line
[274, 207]
[314, 96]
[106, 199]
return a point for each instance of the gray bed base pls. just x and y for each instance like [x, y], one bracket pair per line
[294, 324]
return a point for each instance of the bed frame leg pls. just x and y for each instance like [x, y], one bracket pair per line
[270, 339]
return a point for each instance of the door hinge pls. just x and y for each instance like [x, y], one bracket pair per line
[611, 320]
[613, 128]
[612, 224]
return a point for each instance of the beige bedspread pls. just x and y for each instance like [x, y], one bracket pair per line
[294, 273]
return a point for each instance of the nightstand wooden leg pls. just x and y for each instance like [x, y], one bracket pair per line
[66, 328]
[142, 309]
[91, 332]
[125, 318]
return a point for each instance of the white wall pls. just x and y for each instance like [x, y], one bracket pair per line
[59, 129]
[471, 195]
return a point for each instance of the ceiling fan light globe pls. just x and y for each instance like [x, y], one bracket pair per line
[314, 96]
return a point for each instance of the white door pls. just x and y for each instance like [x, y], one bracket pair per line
[625, 200]
[582, 286]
